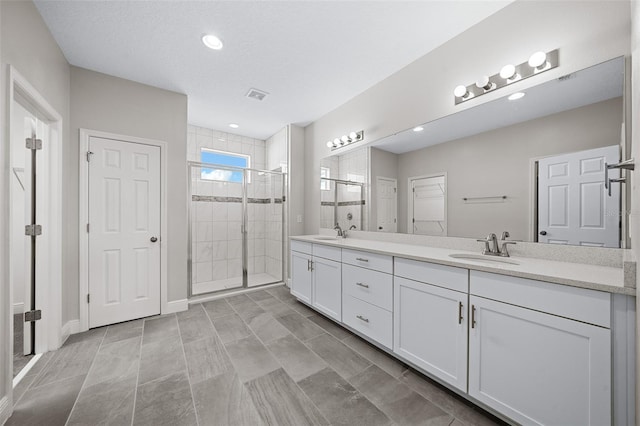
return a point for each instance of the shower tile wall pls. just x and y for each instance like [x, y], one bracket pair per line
[216, 225]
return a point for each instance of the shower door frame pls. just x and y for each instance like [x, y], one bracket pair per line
[243, 230]
[335, 201]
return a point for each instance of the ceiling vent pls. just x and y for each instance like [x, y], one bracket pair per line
[256, 94]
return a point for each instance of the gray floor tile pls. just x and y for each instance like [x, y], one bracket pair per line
[115, 361]
[237, 299]
[49, 404]
[161, 358]
[69, 361]
[340, 402]
[344, 360]
[19, 362]
[248, 309]
[296, 359]
[275, 307]
[299, 326]
[217, 308]
[166, 401]
[158, 328]
[302, 309]
[403, 405]
[224, 401]
[377, 356]
[206, 358]
[231, 328]
[280, 402]
[330, 327]
[123, 331]
[194, 324]
[259, 295]
[96, 333]
[106, 403]
[22, 387]
[282, 292]
[250, 358]
[267, 328]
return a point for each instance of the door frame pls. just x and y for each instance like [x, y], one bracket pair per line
[83, 240]
[49, 291]
[410, 229]
[395, 207]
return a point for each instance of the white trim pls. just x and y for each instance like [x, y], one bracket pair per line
[25, 370]
[176, 306]
[84, 136]
[69, 328]
[5, 409]
[18, 308]
[410, 200]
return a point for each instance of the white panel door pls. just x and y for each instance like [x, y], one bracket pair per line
[124, 237]
[430, 329]
[537, 368]
[301, 276]
[573, 205]
[429, 206]
[327, 287]
[387, 204]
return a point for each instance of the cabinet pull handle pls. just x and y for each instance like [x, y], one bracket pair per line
[460, 313]
[363, 285]
[473, 316]
[308, 265]
[361, 318]
[311, 265]
[362, 259]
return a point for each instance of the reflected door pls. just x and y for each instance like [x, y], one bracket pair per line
[387, 204]
[573, 204]
[429, 206]
[124, 237]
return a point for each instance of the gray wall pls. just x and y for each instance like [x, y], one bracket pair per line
[111, 104]
[498, 163]
[383, 164]
[585, 32]
[27, 45]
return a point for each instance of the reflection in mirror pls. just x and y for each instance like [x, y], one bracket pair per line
[532, 166]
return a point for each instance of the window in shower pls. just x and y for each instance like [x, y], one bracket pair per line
[325, 173]
[222, 158]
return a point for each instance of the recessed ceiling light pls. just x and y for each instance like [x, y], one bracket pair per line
[418, 129]
[515, 96]
[212, 42]
[233, 125]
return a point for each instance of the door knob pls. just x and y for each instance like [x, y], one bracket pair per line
[543, 232]
[154, 239]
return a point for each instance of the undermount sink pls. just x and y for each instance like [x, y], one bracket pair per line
[325, 238]
[483, 258]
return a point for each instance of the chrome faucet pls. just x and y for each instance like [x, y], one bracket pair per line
[494, 248]
[341, 233]
[352, 227]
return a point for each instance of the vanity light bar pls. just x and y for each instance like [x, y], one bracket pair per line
[345, 140]
[538, 63]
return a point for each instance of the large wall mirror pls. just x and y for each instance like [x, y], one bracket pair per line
[534, 166]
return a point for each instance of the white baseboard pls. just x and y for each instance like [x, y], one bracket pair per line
[5, 410]
[176, 306]
[71, 327]
[288, 282]
[18, 308]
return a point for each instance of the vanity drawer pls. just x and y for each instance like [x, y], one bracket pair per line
[371, 286]
[327, 252]
[378, 262]
[372, 321]
[430, 273]
[301, 246]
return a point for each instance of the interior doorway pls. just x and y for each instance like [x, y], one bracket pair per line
[386, 204]
[428, 205]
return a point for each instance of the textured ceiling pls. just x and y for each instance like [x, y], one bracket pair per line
[310, 56]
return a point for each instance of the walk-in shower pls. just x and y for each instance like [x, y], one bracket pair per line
[342, 202]
[236, 221]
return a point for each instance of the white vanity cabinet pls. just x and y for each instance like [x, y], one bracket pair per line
[539, 364]
[430, 321]
[301, 277]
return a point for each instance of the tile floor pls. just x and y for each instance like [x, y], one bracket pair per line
[256, 359]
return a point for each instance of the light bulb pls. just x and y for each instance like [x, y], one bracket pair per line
[329, 144]
[418, 129]
[353, 136]
[344, 139]
[508, 71]
[460, 91]
[538, 60]
[483, 83]
[336, 142]
[233, 125]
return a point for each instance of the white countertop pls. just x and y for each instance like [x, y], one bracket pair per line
[592, 277]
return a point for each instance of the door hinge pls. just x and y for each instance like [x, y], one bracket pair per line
[33, 230]
[413, 189]
[33, 143]
[284, 198]
[394, 220]
[395, 189]
[89, 154]
[87, 228]
[88, 298]
[414, 220]
[32, 316]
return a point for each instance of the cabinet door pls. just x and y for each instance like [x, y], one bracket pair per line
[538, 368]
[301, 276]
[430, 329]
[327, 287]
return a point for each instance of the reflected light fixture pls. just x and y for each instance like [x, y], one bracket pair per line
[345, 140]
[418, 129]
[212, 42]
[516, 96]
[537, 63]
[233, 125]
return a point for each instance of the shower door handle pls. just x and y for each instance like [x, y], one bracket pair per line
[154, 239]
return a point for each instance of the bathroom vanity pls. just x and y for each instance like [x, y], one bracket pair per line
[534, 341]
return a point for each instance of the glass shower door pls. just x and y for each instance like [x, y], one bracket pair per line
[265, 217]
